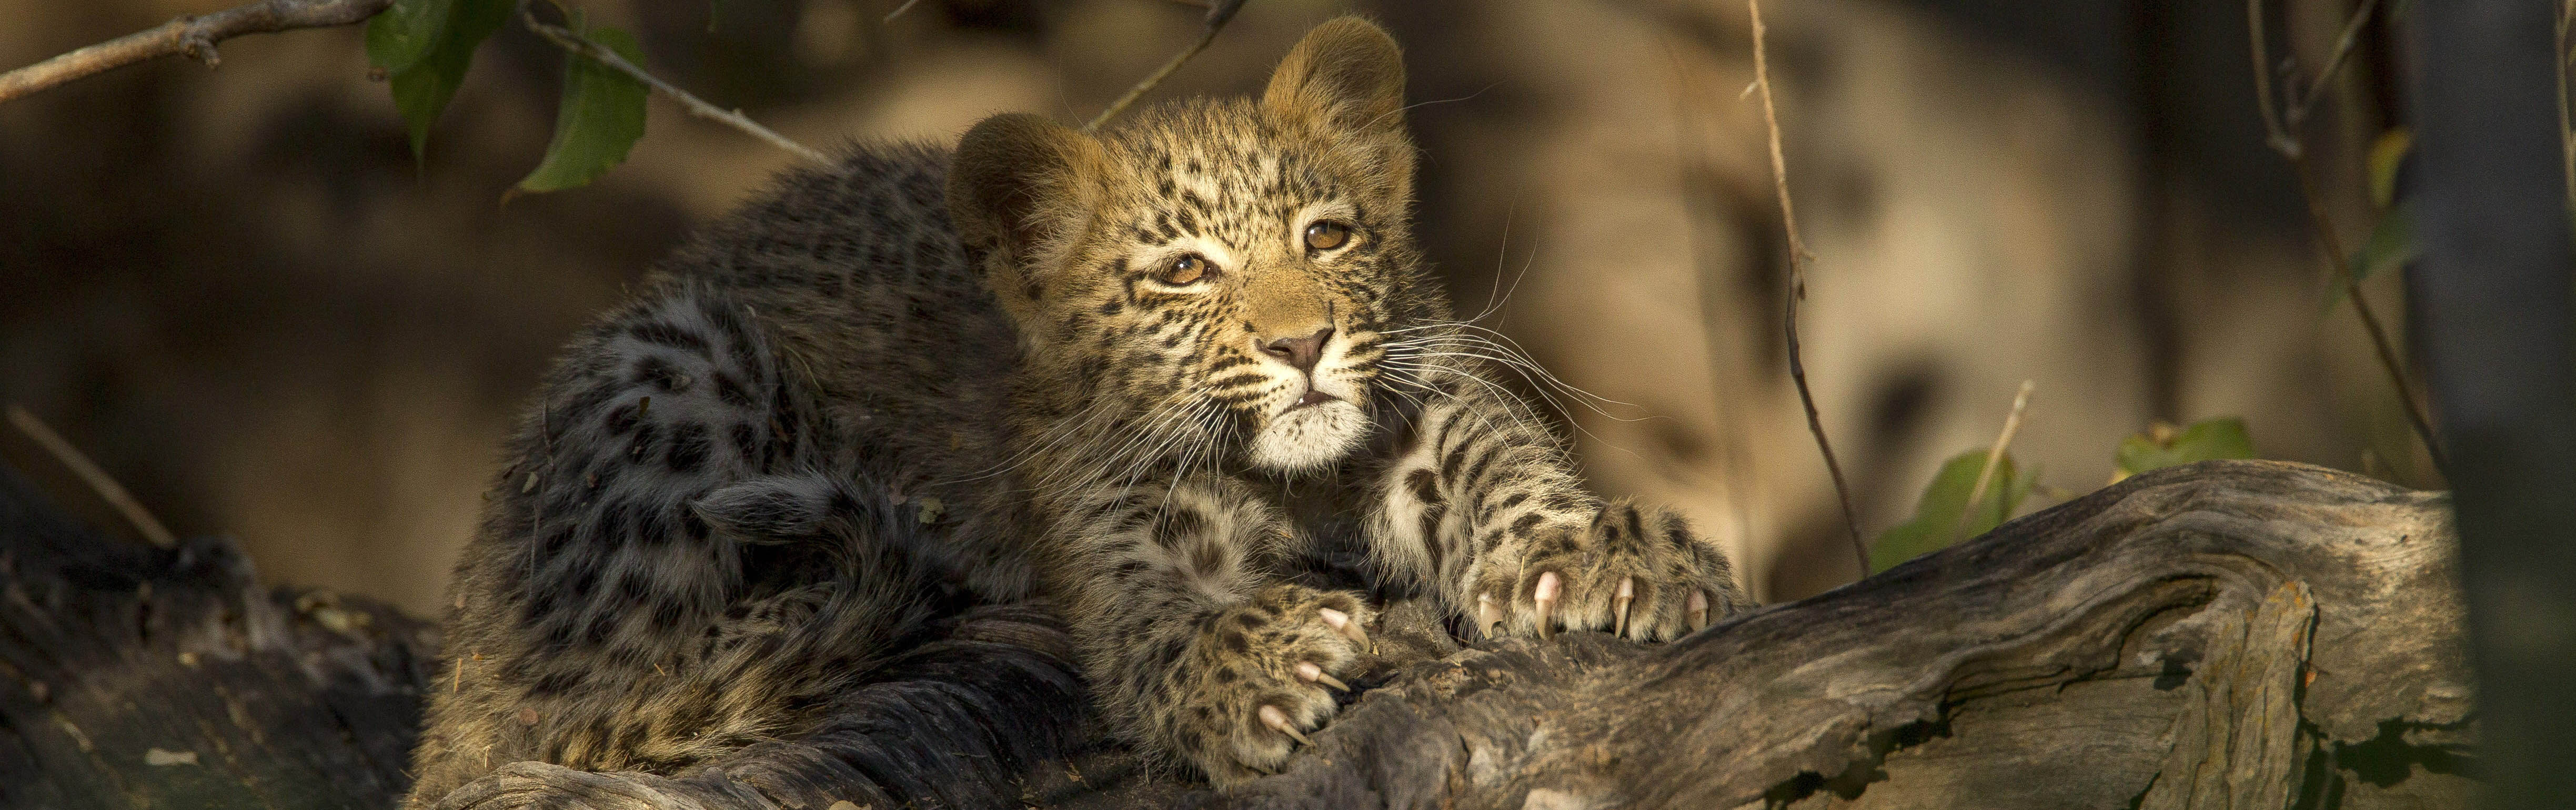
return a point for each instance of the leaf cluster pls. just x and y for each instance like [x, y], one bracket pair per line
[424, 48]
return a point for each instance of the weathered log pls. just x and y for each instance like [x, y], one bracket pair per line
[2231, 634]
[139, 677]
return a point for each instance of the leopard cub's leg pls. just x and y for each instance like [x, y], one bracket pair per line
[1484, 507]
[1260, 674]
[1193, 651]
[1635, 571]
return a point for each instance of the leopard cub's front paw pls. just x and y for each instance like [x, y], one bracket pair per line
[1261, 675]
[1635, 571]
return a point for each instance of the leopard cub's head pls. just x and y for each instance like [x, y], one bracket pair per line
[1214, 281]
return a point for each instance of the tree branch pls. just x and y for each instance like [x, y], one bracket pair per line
[582, 46]
[1798, 259]
[2344, 45]
[2566, 117]
[1219, 13]
[98, 480]
[193, 36]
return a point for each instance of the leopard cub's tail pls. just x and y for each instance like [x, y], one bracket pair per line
[891, 684]
[851, 676]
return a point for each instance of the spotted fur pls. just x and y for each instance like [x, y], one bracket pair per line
[1000, 375]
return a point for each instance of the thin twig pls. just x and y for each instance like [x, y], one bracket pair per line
[97, 479]
[2330, 255]
[1798, 259]
[193, 36]
[899, 10]
[2344, 45]
[581, 45]
[1219, 13]
[2566, 121]
[1994, 458]
[2275, 135]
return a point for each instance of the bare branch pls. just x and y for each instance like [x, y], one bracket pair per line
[1219, 13]
[2344, 45]
[2285, 139]
[1798, 259]
[2566, 118]
[2330, 255]
[97, 479]
[2274, 135]
[194, 36]
[580, 45]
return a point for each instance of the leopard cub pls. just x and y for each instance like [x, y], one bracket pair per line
[1139, 376]
[1232, 354]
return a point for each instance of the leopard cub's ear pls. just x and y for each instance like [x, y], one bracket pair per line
[1347, 74]
[1021, 183]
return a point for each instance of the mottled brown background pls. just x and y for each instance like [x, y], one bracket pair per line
[237, 290]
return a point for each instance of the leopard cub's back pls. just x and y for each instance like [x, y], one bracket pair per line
[823, 350]
[859, 275]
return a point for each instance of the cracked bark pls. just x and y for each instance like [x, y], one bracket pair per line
[2229, 634]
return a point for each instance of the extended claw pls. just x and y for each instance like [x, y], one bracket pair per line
[1341, 622]
[1544, 595]
[1619, 604]
[1311, 673]
[1698, 609]
[1271, 716]
[1489, 616]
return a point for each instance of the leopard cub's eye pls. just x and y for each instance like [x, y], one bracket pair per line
[1327, 234]
[1185, 270]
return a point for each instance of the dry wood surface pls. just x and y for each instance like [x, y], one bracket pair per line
[2221, 635]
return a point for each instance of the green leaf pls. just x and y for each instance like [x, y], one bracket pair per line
[2391, 243]
[601, 118]
[2161, 446]
[2386, 154]
[1936, 516]
[424, 47]
[400, 35]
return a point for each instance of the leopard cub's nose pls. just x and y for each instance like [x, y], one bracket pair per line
[1301, 352]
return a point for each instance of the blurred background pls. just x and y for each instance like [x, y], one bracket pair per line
[237, 290]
